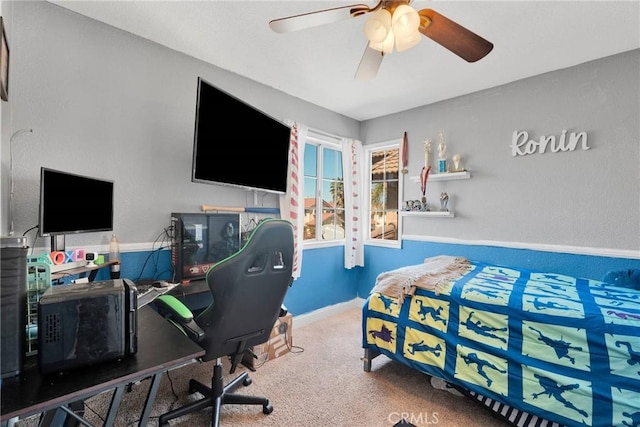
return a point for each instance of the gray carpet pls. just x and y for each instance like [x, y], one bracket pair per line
[321, 382]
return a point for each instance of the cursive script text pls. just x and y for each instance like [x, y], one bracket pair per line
[521, 145]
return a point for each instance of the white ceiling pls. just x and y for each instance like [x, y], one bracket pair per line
[318, 64]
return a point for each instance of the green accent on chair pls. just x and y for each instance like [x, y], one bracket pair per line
[177, 306]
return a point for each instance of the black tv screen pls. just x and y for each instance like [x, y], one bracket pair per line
[237, 144]
[71, 203]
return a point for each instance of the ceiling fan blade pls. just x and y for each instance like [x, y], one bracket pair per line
[369, 64]
[314, 19]
[464, 43]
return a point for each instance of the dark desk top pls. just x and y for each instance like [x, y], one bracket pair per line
[161, 347]
[190, 288]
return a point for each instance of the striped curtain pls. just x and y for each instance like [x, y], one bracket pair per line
[292, 203]
[354, 199]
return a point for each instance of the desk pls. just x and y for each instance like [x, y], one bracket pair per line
[81, 271]
[161, 347]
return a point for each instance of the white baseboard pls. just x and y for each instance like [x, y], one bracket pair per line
[325, 312]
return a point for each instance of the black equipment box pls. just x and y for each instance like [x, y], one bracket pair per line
[86, 323]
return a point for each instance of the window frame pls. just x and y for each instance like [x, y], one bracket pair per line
[369, 149]
[322, 140]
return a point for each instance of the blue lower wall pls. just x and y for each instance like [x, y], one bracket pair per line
[141, 265]
[325, 282]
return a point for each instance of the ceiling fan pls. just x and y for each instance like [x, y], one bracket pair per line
[393, 23]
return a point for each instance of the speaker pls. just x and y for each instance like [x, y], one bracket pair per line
[13, 303]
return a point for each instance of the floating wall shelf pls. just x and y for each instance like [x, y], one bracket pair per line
[447, 176]
[436, 214]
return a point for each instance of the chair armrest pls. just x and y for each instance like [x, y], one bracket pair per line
[176, 312]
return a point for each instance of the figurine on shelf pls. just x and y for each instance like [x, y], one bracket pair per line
[415, 206]
[427, 153]
[444, 201]
[442, 154]
[457, 167]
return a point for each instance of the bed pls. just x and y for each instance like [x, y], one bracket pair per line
[564, 349]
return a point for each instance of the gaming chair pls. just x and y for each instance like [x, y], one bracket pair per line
[247, 289]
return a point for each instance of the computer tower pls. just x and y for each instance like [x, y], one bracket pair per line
[86, 323]
[13, 303]
[200, 240]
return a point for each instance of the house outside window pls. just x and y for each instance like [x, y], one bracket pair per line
[384, 191]
[324, 215]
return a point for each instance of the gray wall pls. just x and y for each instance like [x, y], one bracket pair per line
[583, 199]
[6, 11]
[104, 103]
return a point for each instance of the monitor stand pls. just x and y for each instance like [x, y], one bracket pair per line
[57, 243]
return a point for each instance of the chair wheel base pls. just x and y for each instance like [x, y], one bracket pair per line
[267, 409]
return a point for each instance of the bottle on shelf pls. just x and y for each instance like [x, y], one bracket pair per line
[114, 254]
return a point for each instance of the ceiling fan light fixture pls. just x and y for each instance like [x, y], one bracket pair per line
[408, 41]
[386, 46]
[405, 21]
[378, 26]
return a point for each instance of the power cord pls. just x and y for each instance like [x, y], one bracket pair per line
[286, 331]
[164, 244]
[291, 348]
[137, 421]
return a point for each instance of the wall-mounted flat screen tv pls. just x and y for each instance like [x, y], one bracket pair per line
[237, 144]
[71, 203]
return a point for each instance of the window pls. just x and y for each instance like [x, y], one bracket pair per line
[323, 189]
[384, 191]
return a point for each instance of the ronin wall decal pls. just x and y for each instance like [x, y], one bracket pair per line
[521, 145]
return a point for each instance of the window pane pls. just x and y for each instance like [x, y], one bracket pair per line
[384, 227]
[324, 191]
[332, 225]
[391, 225]
[309, 224]
[391, 199]
[391, 164]
[310, 185]
[331, 167]
[333, 194]
[377, 222]
[377, 196]
[310, 160]
[310, 191]
[327, 194]
[377, 166]
[339, 193]
[384, 194]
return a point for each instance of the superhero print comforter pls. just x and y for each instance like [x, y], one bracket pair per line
[563, 348]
